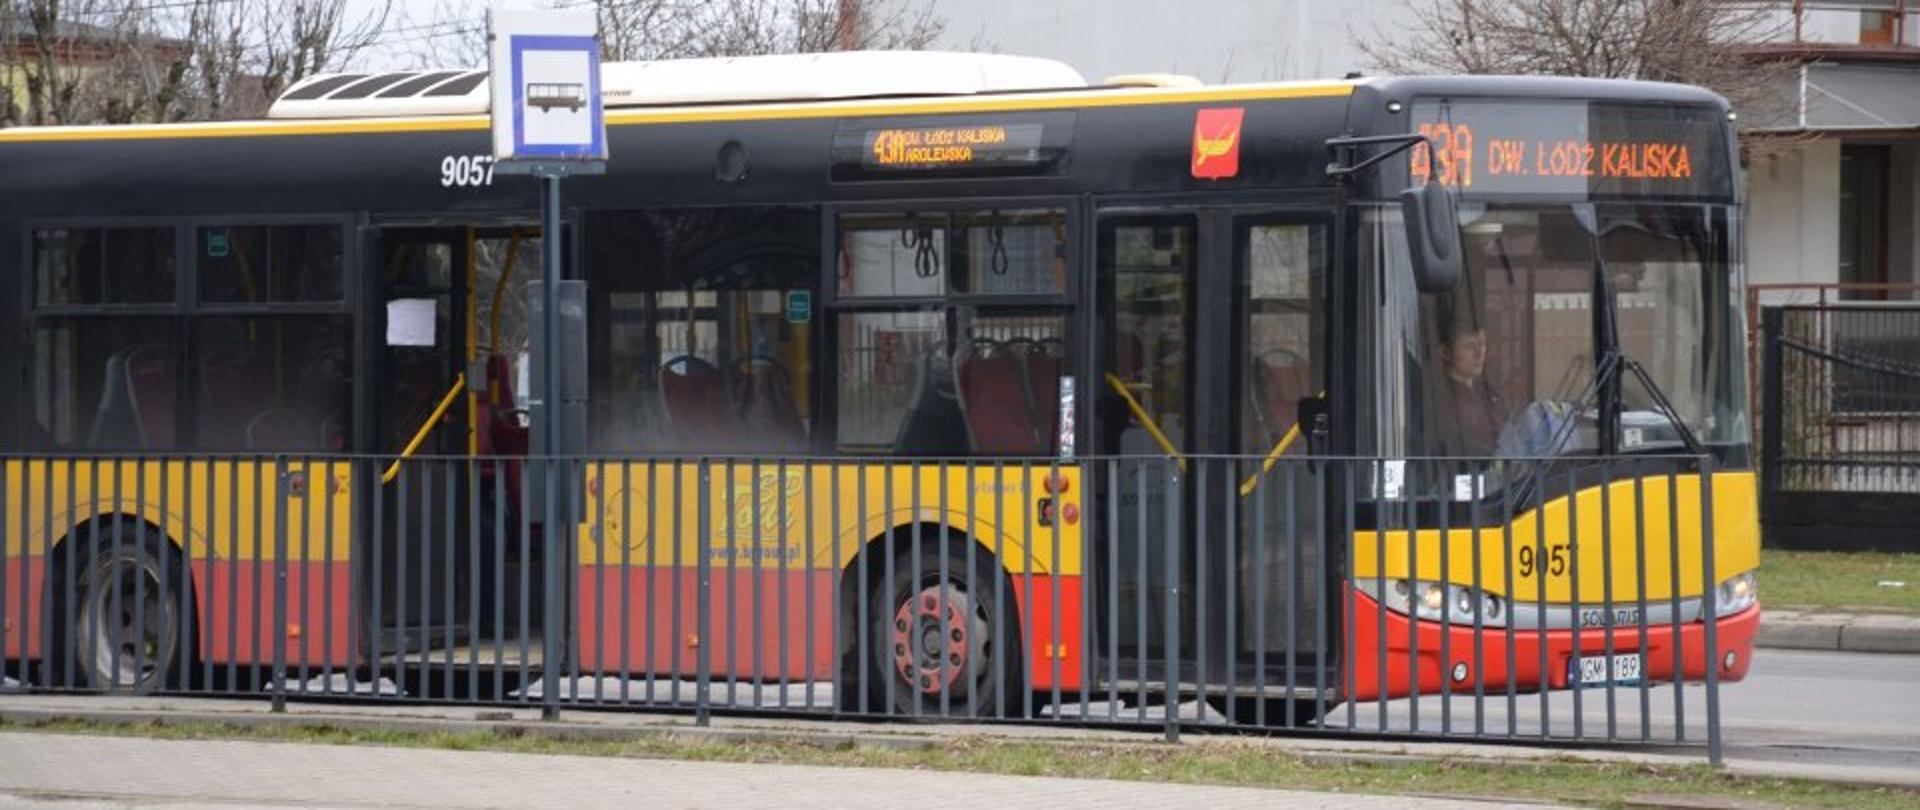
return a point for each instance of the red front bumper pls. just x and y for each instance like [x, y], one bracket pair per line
[1663, 650]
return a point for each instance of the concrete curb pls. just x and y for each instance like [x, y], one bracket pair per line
[1843, 632]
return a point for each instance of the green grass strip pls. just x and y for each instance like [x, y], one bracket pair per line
[1832, 580]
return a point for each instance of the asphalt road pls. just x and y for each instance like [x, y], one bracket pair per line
[1851, 710]
[1827, 707]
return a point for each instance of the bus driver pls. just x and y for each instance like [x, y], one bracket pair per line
[1471, 412]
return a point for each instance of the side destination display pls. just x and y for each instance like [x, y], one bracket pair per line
[951, 146]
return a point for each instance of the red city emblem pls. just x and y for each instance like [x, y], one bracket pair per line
[1216, 143]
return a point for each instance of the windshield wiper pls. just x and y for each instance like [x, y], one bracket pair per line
[1614, 358]
[1660, 400]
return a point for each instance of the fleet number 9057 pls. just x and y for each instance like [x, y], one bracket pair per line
[466, 171]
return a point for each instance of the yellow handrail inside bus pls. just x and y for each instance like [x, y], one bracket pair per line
[1146, 421]
[1273, 456]
[426, 429]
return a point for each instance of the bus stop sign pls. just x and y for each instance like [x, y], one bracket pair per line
[546, 86]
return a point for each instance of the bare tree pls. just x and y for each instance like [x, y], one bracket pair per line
[299, 38]
[676, 29]
[666, 29]
[1702, 42]
[49, 51]
[124, 61]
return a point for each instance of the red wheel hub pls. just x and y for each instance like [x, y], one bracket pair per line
[930, 639]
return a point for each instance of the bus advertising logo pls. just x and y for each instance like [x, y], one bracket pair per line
[1216, 143]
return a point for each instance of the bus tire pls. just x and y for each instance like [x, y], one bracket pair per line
[928, 643]
[129, 642]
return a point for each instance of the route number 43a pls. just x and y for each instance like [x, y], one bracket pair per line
[1553, 558]
[466, 171]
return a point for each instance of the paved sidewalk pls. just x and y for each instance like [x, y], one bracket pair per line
[1831, 630]
[584, 724]
[61, 769]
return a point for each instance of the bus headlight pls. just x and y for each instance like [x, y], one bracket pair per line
[1736, 594]
[1433, 601]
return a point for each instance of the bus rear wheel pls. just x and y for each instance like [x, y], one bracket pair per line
[940, 647]
[124, 619]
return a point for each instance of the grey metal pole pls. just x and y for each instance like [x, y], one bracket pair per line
[556, 535]
[1708, 599]
[280, 584]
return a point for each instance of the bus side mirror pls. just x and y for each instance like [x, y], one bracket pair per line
[1432, 220]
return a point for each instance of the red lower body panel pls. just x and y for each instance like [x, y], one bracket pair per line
[1666, 653]
[24, 583]
[634, 620]
[234, 627]
[637, 621]
[1052, 622]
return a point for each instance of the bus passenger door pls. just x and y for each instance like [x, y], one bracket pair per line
[1211, 336]
[1143, 433]
[1275, 581]
[449, 332]
[419, 289]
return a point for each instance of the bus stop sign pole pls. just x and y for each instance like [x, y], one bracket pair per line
[548, 122]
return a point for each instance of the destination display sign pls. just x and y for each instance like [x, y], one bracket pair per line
[942, 147]
[1591, 150]
[949, 147]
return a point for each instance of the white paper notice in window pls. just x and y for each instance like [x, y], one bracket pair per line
[410, 322]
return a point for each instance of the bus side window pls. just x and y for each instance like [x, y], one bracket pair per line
[709, 344]
[977, 371]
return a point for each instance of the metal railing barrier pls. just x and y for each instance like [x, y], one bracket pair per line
[1559, 599]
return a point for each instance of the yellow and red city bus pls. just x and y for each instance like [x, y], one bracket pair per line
[1080, 379]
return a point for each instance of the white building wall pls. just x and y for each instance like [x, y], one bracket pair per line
[1793, 221]
[1214, 40]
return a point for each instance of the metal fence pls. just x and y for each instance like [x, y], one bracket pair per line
[1199, 593]
[1840, 404]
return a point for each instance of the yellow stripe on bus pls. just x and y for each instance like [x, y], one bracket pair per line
[785, 515]
[1554, 559]
[225, 510]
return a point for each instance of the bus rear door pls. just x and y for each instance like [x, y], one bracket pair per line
[450, 329]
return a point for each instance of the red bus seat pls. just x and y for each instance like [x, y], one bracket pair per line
[502, 431]
[994, 400]
[694, 395]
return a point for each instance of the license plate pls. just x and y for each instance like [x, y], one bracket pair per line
[1591, 670]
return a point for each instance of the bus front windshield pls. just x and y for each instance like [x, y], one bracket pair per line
[1508, 363]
